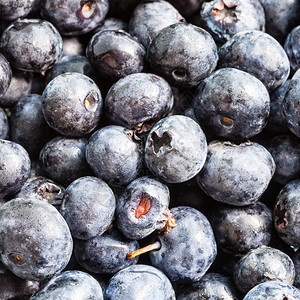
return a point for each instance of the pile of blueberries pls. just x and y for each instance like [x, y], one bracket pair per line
[149, 149]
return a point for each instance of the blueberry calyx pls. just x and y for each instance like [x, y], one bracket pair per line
[224, 11]
[88, 9]
[159, 142]
[281, 214]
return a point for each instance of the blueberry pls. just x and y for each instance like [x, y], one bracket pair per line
[139, 100]
[175, 149]
[63, 159]
[236, 174]
[291, 103]
[285, 149]
[44, 189]
[70, 285]
[257, 53]
[240, 229]
[223, 19]
[74, 17]
[149, 17]
[232, 104]
[15, 167]
[88, 207]
[106, 253]
[43, 51]
[142, 207]
[189, 249]
[115, 54]
[35, 241]
[273, 290]
[210, 286]
[291, 46]
[72, 104]
[3, 124]
[115, 155]
[183, 54]
[13, 9]
[28, 126]
[139, 282]
[260, 265]
[287, 213]
[5, 75]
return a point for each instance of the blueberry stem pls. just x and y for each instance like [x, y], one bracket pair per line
[154, 246]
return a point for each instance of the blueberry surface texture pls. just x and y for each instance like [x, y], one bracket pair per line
[292, 48]
[183, 54]
[5, 75]
[11, 10]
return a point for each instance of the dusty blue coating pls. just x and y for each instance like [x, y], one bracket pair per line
[260, 265]
[12, 10]
[139, 282]
[3, 124]
[190, 248]
[88, 207]
[5, 75]
[236, 174]
[115, 155]
[70, 285]
[273, 290]
[175, 149]
[292, 48]
[35, 240]
[137, 226]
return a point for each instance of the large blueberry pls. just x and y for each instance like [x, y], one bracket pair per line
[35, 240]
[236, 174]
[139, 282]
[232, 104]
[257, 53]
[138, 100]
[88, 207]
[38, 55]
[183, 54]
[13, 9]
[73, 17]
[292, 48]
[175, 149]
[115, 155]
[70, 285]
[5, 75]
[72, 104]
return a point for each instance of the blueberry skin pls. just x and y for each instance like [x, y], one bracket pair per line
[239, 229]
[5, 75]
[43, 51]
[236, 174]
[292, 46]
[43, 189]
[3, 124]
[111, 23]
[190, 248]
[273, 290]
[72, 104]
[35, 240]
[281, 17]
[287, 213]
[13, 9]
[276, 121]
[285, 149]
[115, 155]
[232, 104]
[63, 159]
[74, 17]
[260, 265]
[175, 149]
[28, 126]
[149, 17]
[141, 207]
[223, 20]
[257, 53]
[20, 85]
[183, 54]
[70, 285]
[71, 63]
[296, 261]
[15, 167]
[138, 100]
[291, 103]
[115, 54]
[210, 286]
[139, 282]
[88, 207]
[106, 253]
